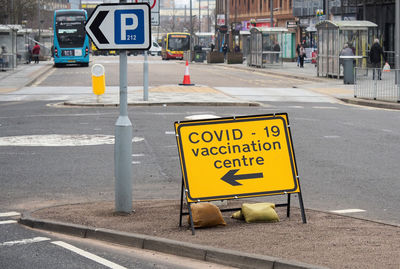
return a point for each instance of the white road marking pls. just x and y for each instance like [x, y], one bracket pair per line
[331, 136]
[9, 214]
[138, 155]
[346, 211]
[40, 80]
[385, 130]
[24, 241]
[8, 222]
[88, 255]
[325, 107]
[201, 117]
[58, 140]
[276, 94]
[134, 162]
[169, 133]
[295, 106]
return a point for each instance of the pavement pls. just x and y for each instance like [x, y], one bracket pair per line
[26, 75]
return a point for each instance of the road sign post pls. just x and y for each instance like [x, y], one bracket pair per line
[240, 157]
[121, 26]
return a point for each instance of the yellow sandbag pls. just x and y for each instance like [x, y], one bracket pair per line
[206, 215]
[237, 215]
[259, 212]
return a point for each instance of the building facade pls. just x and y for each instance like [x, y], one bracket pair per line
[301, 16]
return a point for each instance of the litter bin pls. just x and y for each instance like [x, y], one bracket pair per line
[348, 69]
[199, 56]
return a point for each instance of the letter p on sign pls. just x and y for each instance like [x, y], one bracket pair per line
[128, 29]
[128, 22]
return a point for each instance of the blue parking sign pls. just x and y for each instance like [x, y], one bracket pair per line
[120, 26]
[129, 26]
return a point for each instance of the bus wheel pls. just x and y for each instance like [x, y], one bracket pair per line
[85, 64]
[57, 65]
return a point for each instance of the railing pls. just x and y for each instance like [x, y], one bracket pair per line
[373, 83]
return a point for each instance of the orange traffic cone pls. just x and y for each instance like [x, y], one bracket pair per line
[186, 77]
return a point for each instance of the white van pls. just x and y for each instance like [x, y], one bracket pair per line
[155, 49]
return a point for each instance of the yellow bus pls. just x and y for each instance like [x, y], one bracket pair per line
[174, 45]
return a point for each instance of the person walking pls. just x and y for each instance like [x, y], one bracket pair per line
[277, 50]
[375, 57]
[298, 54]
[225, 49]
[3, 58]
[36, 52]
[302, 55]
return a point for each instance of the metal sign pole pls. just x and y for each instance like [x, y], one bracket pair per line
[145, 77]
[123, 143]
[397, 48]
[397, 35]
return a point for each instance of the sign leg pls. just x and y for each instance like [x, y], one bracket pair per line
[288, 206]
[191, 218]
[181, 212]
[303, 213]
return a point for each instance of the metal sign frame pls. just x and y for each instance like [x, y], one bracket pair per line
[100, 16]
[230, 177]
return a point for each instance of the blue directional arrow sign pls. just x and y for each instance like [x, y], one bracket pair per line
[120, 26]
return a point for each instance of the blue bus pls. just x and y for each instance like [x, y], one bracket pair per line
[71, 43]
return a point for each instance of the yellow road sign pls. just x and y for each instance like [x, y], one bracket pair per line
[237, 157]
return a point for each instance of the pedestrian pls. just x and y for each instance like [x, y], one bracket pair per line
[212, 46]
[29, 54]
[237, 48]
[36, 52]
[375, 57]
[302, 55]
[298, 54]
[3, 58]
[225, 49]
[346, 51]
[277, 50]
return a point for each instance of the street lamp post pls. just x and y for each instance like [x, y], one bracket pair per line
[199, 16]
[271, 7]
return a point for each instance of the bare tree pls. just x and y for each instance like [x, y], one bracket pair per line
[17, 11]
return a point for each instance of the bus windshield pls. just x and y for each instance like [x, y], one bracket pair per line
[178, 42]
[70, 30]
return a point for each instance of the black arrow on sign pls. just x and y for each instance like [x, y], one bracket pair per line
[94, 27]
[231, 178]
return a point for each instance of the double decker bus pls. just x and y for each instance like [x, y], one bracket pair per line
[71, 43]
[174, 45]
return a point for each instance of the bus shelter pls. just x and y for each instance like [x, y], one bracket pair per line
[266, 46]
[8, 43]
[332, 35]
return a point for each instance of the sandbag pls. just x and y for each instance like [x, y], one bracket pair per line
[238, 215]
[206, 215]
[259, 212]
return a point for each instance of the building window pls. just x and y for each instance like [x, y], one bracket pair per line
[280, 3]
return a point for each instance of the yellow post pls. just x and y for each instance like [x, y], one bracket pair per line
[98, 80]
